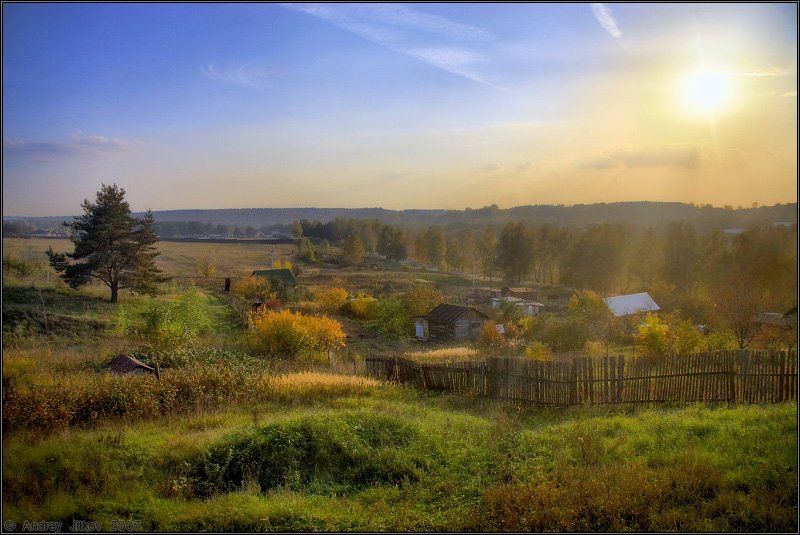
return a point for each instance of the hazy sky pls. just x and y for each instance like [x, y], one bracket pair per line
[399, 106]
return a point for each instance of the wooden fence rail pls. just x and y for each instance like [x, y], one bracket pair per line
[721, 376]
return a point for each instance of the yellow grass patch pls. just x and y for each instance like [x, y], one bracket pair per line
[444, 354]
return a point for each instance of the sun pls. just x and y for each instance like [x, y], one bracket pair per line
[706, 91]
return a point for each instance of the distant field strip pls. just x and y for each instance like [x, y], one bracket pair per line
[720, 376]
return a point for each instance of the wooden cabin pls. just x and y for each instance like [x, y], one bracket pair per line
[450, 322]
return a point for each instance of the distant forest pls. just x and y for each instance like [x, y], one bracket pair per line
[250, 222]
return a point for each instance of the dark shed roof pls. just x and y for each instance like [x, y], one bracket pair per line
[126, 364]
[284, 275]
[445, 313]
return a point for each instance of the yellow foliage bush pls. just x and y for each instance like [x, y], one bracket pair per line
[362, 308]
[253, 287]
[538, 351]
[490, 341]
[330, 298]
[282, 264]
[287, 333]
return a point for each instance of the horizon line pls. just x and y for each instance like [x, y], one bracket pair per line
[560, 205]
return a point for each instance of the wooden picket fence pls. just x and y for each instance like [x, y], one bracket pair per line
[720, 376]
[241, 307]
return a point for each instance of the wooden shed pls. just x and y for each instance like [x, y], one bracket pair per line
[526, 294]
[126, 364]
[450, 322]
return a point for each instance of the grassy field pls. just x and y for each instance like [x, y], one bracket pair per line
[391, 459]
[228, 440]
[176, 258]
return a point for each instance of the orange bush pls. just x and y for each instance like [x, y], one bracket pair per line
[287, 333]
[253, 287]
[330, 299]
[491, 341]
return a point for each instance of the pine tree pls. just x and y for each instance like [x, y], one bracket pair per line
[111, 246]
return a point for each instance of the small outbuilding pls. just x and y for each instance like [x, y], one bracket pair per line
[529, 308]
[450, 322]
[283, 276]
[128, 365]
[626, 305]
[481, 293]
[526, 294]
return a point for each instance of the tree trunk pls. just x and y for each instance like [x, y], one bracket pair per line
[114, 291]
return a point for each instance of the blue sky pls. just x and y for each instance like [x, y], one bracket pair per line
[394, 105]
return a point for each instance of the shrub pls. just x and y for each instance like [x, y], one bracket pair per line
[344, 452]
[282, 264]
[173, 325]
[538, 351]
[330, 299]
[421, 299]
[252, 287]
[491, 341]
[52, 401]
[391, 316]
[362, 308]
[653, 337]
[21, 267]
[685, 338]
[565, 335]
[205, 267]
[287, 333]
[84, 398]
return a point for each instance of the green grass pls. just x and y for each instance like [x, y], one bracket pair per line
[402, 460]
[226, 446]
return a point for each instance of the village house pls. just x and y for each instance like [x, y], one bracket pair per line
[630, 304]
[529, 308]
[450, 322]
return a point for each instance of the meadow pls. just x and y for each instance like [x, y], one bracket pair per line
[230, 440]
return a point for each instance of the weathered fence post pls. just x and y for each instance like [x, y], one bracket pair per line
[620, 374]
[573, 382]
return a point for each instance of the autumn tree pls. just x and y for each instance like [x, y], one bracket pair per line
[436, 247]
[680, 254]
[595, 258]
[297, 230]
[353, 251]
[486, 250]
[111, 246]
[391, 243]
[515, 252]
[205, 267]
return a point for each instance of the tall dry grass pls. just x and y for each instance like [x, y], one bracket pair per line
[444, 354]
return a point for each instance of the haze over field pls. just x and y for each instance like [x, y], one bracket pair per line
[399, 106]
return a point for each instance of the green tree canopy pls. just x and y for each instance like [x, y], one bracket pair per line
[111, 246]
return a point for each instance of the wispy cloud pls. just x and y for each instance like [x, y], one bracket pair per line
[422, 36]
[606, 20]
[247, 76]
[491, 167]
[77, 144]
[393, 15]
[678, 157]
[766, 71]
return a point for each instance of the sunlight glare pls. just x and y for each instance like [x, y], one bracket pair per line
[706, 91]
